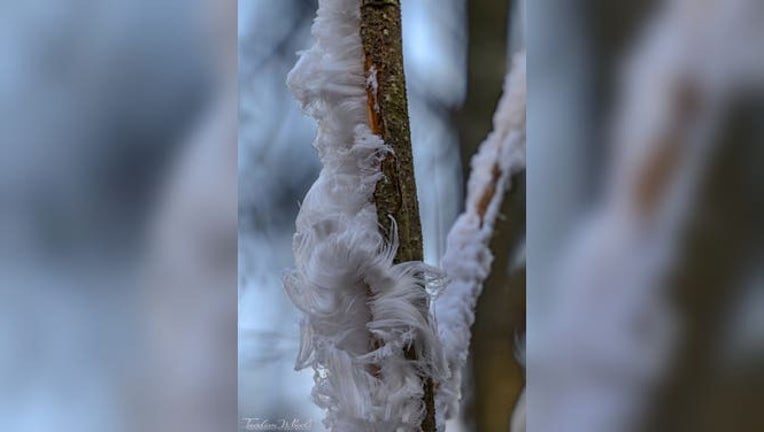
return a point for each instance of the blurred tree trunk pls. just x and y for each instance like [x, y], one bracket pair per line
[486, 67]
[500, 319]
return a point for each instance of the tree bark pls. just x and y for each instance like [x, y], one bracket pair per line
[395, 195]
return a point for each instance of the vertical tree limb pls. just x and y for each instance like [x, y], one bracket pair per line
[395, 195]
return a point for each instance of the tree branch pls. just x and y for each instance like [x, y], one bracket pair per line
[395, 195]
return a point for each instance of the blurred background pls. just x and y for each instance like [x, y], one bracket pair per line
[644, 209]
[117, 215]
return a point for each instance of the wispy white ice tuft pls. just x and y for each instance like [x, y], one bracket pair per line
[468, 257]
[361, 310]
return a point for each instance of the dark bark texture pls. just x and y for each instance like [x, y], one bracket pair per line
[395, 195]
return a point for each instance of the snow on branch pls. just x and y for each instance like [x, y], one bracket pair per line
[362, 312]
[468, 257]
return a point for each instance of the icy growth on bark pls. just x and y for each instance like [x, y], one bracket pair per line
[468, 258]
[361, 310]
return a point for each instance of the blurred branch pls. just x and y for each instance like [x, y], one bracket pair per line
[498, 378]
[496, 170]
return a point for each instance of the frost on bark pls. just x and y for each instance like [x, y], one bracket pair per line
[395, 195]
[468, 256]
[358, 275]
